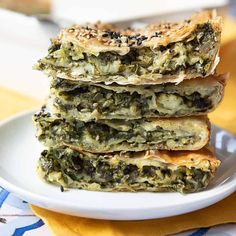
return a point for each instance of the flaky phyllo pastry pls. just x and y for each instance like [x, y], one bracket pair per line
[159, 53]
[86, 101]
[119, 135]
[128, 108]
[152, 170]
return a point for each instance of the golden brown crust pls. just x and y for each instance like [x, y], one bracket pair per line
[97, 38]
[199, 158]
[104, 37]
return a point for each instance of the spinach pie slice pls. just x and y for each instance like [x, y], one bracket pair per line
[86, 101]
[152, 171]
[103, 136]
[159, 53]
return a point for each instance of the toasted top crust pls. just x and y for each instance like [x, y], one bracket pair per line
[105, 37]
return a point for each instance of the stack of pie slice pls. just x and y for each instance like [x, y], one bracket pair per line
[128, 107]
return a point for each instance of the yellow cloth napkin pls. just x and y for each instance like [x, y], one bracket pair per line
[12, 102]
[61, 225]
[221, 212]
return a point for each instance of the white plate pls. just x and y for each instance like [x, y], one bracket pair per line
[19, 151]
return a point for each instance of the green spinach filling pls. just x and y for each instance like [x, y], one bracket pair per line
[115, 135]
[195, 55]
[80, 170]
[91, 102]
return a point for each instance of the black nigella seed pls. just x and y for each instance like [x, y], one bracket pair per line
[131, 36]
[143, 37]
[139, 42]
[131, 44]
[44, 153]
